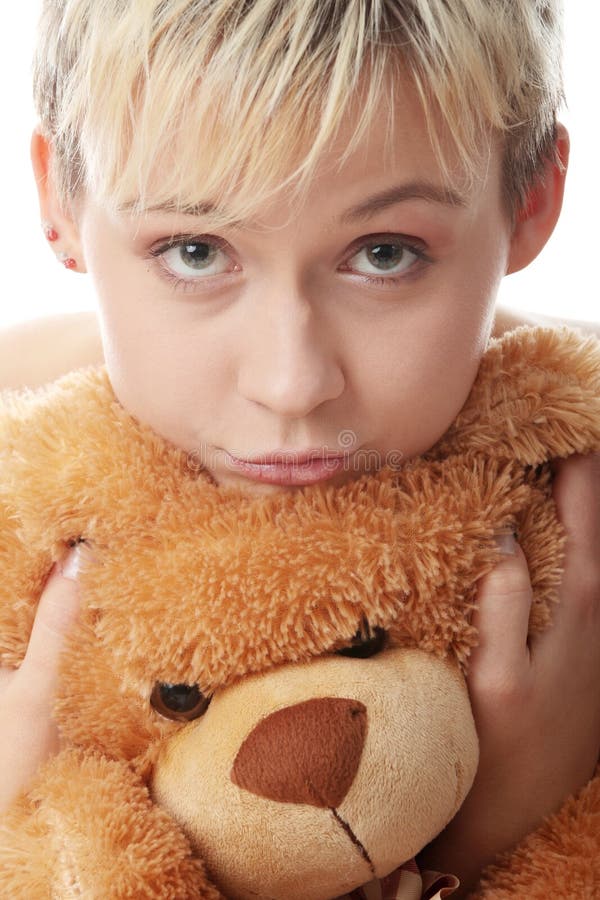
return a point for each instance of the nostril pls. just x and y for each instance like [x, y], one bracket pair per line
[306, 753]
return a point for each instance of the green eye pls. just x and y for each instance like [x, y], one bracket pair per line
[181, 702]
[366, 642]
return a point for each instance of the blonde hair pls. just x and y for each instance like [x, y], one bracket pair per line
[148, 101]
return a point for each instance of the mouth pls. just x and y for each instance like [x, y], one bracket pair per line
[354, 839]
[288, 469]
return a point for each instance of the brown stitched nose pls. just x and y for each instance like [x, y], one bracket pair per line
[306, 753]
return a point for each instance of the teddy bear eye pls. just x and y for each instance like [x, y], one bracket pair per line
[182, 702]
[366, 642]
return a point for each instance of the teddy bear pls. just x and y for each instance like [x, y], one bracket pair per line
[264, 696]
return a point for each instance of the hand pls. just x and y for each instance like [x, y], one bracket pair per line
[29, 735]
[535, 702]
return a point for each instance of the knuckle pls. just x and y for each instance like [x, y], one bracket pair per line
[584, 595]
[54, 617]
[57, 608]
[508, 578]
[500, 688]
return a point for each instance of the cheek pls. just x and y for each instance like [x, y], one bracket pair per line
[423, 375]
[174, 380]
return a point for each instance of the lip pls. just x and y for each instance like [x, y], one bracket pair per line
[289, 457]
[289, 468]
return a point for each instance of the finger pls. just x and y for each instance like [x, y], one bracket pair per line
[504, 601]
[56, 614]
[576, 493]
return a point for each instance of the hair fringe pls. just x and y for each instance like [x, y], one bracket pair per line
[174, 101]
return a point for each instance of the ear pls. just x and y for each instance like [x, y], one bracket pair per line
[60, 225]
[536, 219]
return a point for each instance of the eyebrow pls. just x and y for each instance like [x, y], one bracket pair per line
[400, 193]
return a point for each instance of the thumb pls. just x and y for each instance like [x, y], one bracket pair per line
[503, 600]
[56, 613]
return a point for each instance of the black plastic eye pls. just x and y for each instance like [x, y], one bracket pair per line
[182, 702]
[366, 642]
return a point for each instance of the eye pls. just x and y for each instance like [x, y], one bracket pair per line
[388, 254]
[182, 702]
[366, 642]
[190, 258]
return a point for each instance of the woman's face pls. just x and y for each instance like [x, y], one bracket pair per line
[352, 325]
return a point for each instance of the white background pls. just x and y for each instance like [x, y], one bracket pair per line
[563, 281]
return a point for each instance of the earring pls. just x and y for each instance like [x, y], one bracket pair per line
[49, 232]
[52, 235]
[67, 261]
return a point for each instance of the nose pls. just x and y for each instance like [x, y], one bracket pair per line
[289, 361]
[306, 753]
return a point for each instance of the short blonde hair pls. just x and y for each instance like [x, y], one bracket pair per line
[149, 101]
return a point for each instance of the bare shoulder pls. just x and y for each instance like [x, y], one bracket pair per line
[508, 319]
[35, 352]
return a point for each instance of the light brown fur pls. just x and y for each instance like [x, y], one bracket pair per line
[250, 598]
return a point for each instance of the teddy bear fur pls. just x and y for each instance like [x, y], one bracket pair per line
[310, 771]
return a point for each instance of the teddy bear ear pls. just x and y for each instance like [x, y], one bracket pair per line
[63, 445]
[536, 397]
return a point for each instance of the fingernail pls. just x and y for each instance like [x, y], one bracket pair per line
[69, 566]
[507, 543]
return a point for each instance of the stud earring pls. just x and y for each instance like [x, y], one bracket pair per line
[52, 235]
[67, 261]
[49, 232]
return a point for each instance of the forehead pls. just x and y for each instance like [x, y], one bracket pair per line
[394, 159]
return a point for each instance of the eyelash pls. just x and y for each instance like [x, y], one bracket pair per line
[193, 284]
[177, 282]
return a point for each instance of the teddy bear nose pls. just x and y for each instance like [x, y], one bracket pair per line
[306, 753]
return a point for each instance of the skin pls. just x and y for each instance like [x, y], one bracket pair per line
[287, 349]
[37, 351]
